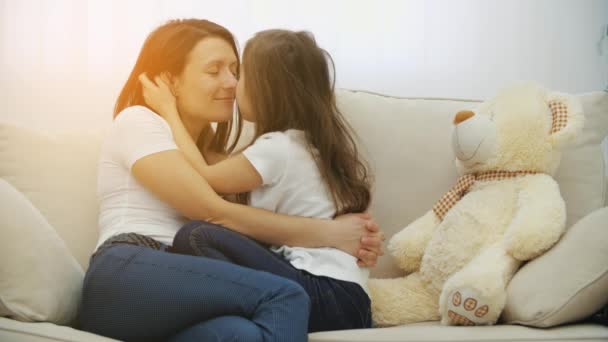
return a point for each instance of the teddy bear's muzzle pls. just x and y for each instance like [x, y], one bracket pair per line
[473, 138]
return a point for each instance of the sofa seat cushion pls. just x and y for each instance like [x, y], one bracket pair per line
[14, 331]
[433, 331]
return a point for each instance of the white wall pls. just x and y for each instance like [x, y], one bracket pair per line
[62, 62]
[605, 151]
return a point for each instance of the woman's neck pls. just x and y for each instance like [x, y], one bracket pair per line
[194, 126]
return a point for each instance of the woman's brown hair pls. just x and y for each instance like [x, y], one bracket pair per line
[290, 85]
[166, 49]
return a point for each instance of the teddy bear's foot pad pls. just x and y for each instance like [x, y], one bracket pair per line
[465, 309]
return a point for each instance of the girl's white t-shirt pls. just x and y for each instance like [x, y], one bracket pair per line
[292, 185]
[125, 206]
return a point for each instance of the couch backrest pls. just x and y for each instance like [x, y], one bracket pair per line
[57, 173]
[407, 142]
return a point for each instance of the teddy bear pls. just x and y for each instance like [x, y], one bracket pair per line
[505, 209]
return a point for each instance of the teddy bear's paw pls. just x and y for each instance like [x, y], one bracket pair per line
[466, 307]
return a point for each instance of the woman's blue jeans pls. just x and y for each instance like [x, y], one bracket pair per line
[335, 304]
[135, 293]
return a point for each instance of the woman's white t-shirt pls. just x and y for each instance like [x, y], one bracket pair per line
[292, 185]
[125, 206]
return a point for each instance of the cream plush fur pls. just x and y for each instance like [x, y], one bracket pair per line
[458, 268]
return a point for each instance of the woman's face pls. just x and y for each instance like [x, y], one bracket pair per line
[206, 87]
[242, 99]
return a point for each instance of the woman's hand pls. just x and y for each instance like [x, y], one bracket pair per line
[360, 236]
[159, 97]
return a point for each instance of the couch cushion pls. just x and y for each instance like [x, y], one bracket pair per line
[566, 284]
[407, 141]
[14, 331]
[581, 174]
[39, 278]
[411, 160]
[57, 173]
[432, 331]
[40, 332]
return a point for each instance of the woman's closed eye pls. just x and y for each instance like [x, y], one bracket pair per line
[213, 71]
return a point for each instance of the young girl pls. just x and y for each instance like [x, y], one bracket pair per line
[303, 161]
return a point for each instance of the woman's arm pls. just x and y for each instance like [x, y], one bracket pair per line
[232, 175]
[171, 177]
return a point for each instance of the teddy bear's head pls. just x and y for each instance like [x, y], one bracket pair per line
[521, 129]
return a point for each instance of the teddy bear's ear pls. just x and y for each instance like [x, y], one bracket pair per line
[567, 118]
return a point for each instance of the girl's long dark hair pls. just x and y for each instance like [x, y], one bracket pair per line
[290, 85]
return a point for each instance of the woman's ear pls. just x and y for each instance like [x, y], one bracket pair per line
[171, 81]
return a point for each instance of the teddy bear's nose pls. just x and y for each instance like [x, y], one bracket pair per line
[463, 115]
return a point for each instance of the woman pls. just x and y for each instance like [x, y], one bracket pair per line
[134, 289]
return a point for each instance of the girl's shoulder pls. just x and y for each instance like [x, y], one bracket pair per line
[290, 134]
[272, 136]
[289, 138]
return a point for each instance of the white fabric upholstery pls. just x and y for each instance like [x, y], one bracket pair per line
[408, 144]
[15, 331]
[39, 278]
[568, 283]
[433, 332]
[58, 174]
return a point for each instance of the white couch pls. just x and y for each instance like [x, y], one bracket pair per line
[407, 141]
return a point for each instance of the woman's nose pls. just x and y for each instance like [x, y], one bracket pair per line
[462, 116]
[229, 80]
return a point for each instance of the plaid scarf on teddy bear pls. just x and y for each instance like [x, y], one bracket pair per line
[464, 183]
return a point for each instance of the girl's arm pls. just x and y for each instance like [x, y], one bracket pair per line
[293, 231]
[171, 177]
[232, 175]
[211, 157]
